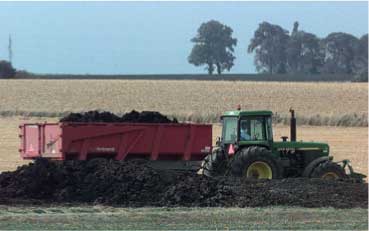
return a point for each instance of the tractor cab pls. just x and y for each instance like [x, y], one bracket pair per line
[246, 128]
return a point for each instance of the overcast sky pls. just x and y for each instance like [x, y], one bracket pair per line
[149, 37]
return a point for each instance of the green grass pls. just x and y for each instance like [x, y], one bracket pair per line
[98, 217]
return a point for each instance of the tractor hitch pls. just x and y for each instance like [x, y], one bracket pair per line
[355, 176]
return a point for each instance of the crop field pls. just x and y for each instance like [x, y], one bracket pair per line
[316, 103]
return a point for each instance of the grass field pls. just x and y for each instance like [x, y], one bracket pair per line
[98, 218]
[315, 103]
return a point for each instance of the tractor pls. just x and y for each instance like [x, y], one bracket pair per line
[246, 149]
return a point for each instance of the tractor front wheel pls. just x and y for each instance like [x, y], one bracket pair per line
[328, 171]
[214, 164]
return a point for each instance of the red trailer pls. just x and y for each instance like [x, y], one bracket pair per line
[81, 141]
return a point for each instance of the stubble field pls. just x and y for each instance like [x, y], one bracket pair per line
[315, 103]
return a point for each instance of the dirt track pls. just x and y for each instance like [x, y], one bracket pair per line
[134, 184]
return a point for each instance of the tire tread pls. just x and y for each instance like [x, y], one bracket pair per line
[247, 156]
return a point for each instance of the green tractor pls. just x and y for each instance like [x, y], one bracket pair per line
[247, 149]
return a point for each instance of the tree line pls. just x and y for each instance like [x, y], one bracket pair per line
[278, 51]
[275, 49]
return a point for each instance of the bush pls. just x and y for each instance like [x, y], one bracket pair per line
[6, 69]
[22, 74]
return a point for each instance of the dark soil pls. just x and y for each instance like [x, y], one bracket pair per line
[131, 117]
[134, 184]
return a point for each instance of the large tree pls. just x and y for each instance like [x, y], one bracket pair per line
[303, 52]
[269, 44]
[214, 47]
[340, 51]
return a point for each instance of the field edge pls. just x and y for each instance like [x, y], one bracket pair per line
[103, 217]
[345, 120]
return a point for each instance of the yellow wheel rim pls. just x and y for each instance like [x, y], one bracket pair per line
[330, 176]
[259, 170]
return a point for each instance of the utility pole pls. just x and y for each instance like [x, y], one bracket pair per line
[10, 49]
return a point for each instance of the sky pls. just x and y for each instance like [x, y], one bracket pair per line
[151, 37]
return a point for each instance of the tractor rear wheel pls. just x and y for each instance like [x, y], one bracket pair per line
[255, 162]
[214, 164]
[329, 171]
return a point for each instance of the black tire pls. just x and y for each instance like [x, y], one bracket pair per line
[214, 164]
[248, 157]
[328, 170]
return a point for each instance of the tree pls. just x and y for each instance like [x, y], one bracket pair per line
[213, 47]
[6, 69]
[269, 44]
[303, 52]
[340, 51]
[361, 61]
[364, 45]
[361, 56]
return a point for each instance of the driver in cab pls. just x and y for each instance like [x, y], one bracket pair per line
[244, 133]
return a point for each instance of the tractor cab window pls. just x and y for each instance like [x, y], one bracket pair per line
[229, 130]
[252, 129]
[269, 128]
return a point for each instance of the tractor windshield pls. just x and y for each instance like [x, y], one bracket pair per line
[252, 129]
[229, 130]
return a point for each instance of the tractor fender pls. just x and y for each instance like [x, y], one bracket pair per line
[313, 164]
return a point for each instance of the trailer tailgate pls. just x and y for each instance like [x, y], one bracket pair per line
[40, 140]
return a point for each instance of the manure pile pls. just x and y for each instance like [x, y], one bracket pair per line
[135, 184]
[131, 117]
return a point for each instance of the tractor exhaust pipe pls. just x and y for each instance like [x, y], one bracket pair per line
[293, 125]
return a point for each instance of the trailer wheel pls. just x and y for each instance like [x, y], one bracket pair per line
[214, 164]
[328, 171]
[257, 163]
